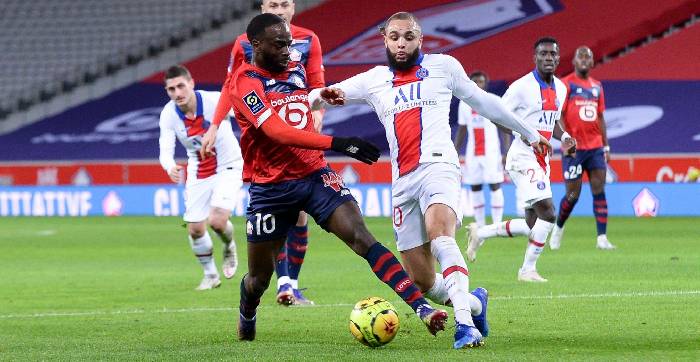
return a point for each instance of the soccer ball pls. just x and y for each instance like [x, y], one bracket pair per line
[374, 322]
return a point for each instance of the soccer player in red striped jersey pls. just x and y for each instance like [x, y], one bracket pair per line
[411, 97]
[212, 183]
[483, 161]
[583, 119]
[305, 49]
[284, 162]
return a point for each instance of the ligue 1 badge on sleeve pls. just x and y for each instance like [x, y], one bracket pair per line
[422, 73]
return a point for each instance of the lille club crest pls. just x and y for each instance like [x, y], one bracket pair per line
[446, 27]
[332, 180]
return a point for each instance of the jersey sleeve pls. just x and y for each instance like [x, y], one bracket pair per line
[354, 88]
[486, 104]
[249, 99]
[224, 105]
[464, 112]
[166, 143]
[314, 65]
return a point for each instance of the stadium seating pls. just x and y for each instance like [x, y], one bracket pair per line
[50, 46]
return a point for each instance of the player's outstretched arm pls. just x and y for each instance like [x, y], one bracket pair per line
[276, 129]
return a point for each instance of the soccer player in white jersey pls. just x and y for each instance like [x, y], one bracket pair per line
[538, 97]
[212, 183]
[412, 99]
[483, 161]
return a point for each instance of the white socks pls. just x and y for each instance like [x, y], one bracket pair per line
[538, 237]
[478, 203]
[438, 294]
[508, 228]
[227, 236]
[203, 249]
[497, 205]
[456, 277]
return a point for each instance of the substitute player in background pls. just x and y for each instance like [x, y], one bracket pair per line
[288, 172]
[483, 159]
[212, 183]
[539, 98]
[412, 99]
[306, 49]
[583, 118]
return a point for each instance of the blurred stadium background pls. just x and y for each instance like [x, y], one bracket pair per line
[82, 91]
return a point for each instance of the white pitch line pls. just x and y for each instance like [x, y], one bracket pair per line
[229, 309]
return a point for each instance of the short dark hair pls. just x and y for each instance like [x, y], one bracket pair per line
[401, 15]
[545, 39]
[177, 71]
[479, 73]
[259, 23]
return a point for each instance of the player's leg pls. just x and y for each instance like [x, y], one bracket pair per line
[494, 176]
[509, 228]
[497, 203]
[438, 197]
[223, 200]
[196, 212]
[478, 204]
[331, 204]
[270, 214]
[297, 242]
[541, 218]
[473, 176]
[596, 169]
[202, 247]
[261, 264]
[571, 168]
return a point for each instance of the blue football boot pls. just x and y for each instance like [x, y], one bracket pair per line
[480, 321]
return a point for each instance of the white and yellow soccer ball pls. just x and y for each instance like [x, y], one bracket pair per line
[374, 322]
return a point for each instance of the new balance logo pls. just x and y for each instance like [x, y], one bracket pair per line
[352, 149]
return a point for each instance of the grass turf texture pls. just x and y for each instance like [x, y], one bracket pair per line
[123, 288]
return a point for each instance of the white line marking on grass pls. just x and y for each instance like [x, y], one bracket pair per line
[230, 309]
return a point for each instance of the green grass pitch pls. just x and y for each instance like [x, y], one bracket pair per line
[123, 289]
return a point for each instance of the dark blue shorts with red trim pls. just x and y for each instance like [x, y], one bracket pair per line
[274, 208]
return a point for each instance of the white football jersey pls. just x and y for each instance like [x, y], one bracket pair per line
[482, 134]
[414, 107]
[174, 124]
[538, 104]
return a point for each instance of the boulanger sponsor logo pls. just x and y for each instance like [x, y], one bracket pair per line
[290, 98]
[135, 126]
[447, 27]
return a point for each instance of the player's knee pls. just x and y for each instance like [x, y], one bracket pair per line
[196, 230]
[548, 215]
[572, 198]
[218, 224]
[258, 283]
[361, 241]
[494, 187]
[476, 187]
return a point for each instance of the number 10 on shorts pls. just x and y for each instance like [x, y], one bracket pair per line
[264, 224]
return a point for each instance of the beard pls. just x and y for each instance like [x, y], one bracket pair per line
[403, 65]
[272, 63]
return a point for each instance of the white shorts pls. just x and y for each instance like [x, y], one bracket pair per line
[219, 190]
[430, 183]
[479, 170]
[531, 185]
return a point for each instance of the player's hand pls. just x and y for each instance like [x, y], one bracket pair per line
[356, 148]
[333, 96]
[568, 146]
[174, 173]
[542, 146]
[208, 140]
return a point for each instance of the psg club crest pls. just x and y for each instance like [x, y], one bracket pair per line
[422, 73]
[446, 27]
[541, 185]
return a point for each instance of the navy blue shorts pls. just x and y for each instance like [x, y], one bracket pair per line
[274, 208]
[588, 160]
